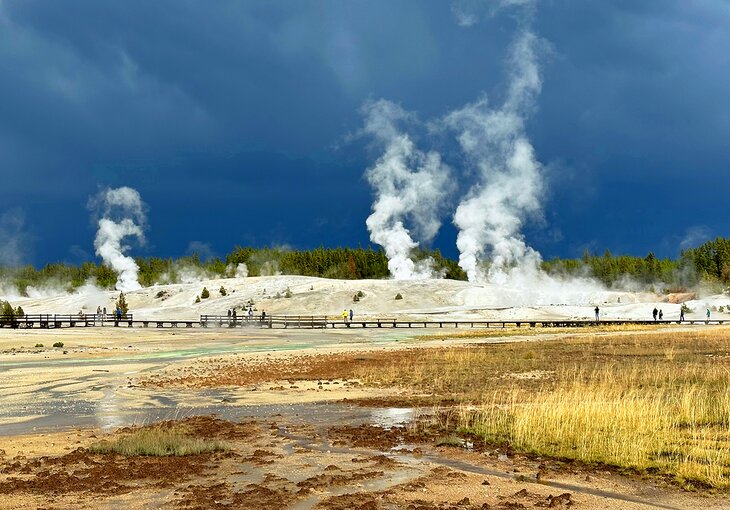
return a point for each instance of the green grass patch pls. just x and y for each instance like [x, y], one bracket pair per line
[450, 440]
[158, 442]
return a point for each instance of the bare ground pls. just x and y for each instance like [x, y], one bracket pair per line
[284, 462]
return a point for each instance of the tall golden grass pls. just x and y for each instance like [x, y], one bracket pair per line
[655, 402]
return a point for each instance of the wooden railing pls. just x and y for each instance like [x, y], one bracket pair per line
[313, 321]
[47, 320]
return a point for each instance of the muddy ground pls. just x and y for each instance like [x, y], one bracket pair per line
[292, 442]
[270, 464]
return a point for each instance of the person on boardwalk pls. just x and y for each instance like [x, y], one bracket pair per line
[708, 314]
[351, 314]
[661, 315]
[103, 317]
[344, 315]
[681, 314]
[98, 312]
[655, 312]
[598, 314]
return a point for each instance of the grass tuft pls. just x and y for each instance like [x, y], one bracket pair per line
[450, 440]
[158, 441]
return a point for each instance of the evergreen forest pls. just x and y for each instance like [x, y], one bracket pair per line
[705, 264]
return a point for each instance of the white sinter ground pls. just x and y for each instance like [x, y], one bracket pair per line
[428, 299]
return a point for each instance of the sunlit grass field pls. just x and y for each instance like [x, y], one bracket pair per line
[655, 402]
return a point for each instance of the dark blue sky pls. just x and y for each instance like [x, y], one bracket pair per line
[235, 120]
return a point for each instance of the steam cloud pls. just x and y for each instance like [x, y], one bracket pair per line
[13, 239]
[409, 185]
[510, 184]
[122, 215]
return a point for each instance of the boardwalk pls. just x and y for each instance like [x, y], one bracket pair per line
[46, 321]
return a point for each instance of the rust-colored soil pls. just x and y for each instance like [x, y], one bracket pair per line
[265, 470]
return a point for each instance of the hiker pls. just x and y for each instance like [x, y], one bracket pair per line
[103, 317]
[119, 313]
[351, 314]
[263, 316]
[681, 314]
[98, 312]
[344, 315]
[708, 314]
[661, 315]
[229, 313]
[598, 314]
[250, 312]
[655, 312]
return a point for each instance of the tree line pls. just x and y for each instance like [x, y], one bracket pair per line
[708, 263]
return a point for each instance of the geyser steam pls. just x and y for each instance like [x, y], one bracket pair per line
[121, 215]
[409, 185]
[509, 183]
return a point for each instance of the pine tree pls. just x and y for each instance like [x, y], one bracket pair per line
[7, 310]
[122, 304]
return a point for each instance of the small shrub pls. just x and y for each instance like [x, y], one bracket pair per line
[161, 294]
[355, 298]
[205, 294]
[39, 345]
[223, 291]
[19, 312]
[278, 296]
[197, 299]
[360, 294]
[287, 294]
[721, 309]
[58, 344]
[398, 296]
[686, 309]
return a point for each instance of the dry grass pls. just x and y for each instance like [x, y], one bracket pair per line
[158, 441]
[526, 330]
[657, 402]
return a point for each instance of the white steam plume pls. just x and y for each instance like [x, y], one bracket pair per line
[14, 240]
[121, 215]
[509, 184]
[410, 186]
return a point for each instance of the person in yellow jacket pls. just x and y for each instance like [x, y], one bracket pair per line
[344, 315]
